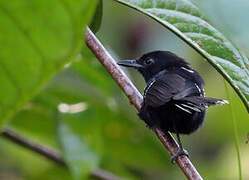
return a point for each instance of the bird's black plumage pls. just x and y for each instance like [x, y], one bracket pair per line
[174, 98]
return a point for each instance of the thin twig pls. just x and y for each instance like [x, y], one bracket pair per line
[50, 153]
[136, 99]
[29, 144]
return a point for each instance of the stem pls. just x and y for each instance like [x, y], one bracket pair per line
[50, 153]
[235, 129]
[136, 99]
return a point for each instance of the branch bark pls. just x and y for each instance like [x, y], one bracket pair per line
[50, 153]
[136, 99]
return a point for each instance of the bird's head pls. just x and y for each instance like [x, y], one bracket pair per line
[154, 62]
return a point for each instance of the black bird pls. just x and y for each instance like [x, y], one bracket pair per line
[174, 98]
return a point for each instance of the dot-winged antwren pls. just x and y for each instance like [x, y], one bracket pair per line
[174, 98]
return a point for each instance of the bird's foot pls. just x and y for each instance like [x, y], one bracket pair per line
[180, 152]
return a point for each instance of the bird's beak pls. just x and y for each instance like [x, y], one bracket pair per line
[130, 63]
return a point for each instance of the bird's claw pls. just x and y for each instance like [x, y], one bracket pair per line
[177, 154]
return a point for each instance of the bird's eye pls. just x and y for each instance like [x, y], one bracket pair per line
[149, 61]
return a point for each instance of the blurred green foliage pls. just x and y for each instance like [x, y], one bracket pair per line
[38, 39]
[107, 131]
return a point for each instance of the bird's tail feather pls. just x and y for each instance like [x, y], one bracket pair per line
[203, 101]
[197, 103]
[213, 101]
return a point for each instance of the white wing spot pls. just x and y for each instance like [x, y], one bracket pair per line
[191, 107]
[204, 94]
[148, 87]
[183, 109]
[198, 88]
[189, 70]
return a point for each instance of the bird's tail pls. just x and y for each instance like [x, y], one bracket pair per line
[198, 104]
[206, 101]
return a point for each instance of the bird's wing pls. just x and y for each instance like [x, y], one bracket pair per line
[162, 89]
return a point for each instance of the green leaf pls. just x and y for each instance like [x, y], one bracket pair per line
[184, 19]
[79, 157]
[97, 18]
[230, 19]
[37, 39]
[235, 131]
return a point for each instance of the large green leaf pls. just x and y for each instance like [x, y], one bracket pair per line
[185, 20]
[37, 39]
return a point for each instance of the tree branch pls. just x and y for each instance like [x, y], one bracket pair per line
[50, 153]
[136, 99]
